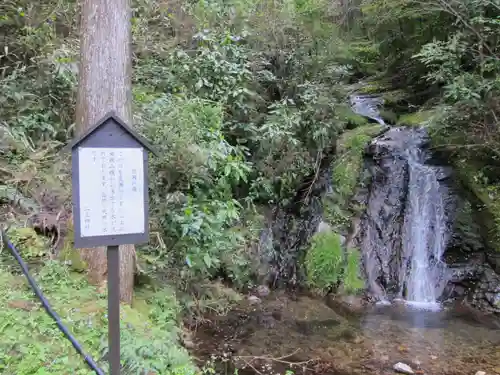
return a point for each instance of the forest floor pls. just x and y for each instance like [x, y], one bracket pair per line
[31, 343]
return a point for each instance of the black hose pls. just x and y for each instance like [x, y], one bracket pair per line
[90, 362]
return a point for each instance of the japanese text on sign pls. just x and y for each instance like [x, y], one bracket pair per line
[111, 191]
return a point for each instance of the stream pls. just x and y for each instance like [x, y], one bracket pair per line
[414, 324]
[308, 336]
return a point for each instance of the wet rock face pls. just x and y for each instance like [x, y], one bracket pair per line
[467, 271]
[486, 295]
[474, 273]
[289, 228]
[493, 259]
[381, 225]
[466, 235]
[394, 162]
[368, 106]
[478, 283]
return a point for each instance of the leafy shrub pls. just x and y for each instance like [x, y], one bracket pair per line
[38, 79]
[193, 198]
[352, 281]
[324, 261]
[328, 265]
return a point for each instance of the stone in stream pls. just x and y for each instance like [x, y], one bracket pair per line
[262, 291]
[403, 368]
[254, 300]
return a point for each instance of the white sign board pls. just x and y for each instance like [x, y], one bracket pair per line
[111, 191]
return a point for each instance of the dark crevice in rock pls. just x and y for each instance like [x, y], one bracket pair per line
[293, 224]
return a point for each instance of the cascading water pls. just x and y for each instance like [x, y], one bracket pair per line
[424, 233]
[403, 231]
[368, 106]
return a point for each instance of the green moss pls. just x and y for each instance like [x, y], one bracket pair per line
[346, 172]
[324, 261]
[348, 165]
[373, 87]
[28, 242]
[327, 266]
[487, 197]
[356, 120]
[139, 304]
[393, 98]
[355, 140]
[352, 119]
[415, 119]
[32, 344]
[388, 116]
[352, 280]
[70, 255]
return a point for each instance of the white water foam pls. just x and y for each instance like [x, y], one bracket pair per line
[426, 306]
[424, 236]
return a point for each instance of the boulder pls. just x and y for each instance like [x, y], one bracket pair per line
[403, 368]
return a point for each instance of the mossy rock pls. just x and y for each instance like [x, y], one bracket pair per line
[356, 120]
[346, 172]
[29, 244]
[336, 211]
[373, 87]
[395, 99]
[357, 139]
[328, 262]
[486, 199]
[388, 116]
[352, 119]
[416, 118]
[70, 255]
[324, 260]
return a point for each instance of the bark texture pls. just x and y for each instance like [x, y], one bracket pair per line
[104, 85]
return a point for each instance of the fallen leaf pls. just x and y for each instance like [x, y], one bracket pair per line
[23, 305]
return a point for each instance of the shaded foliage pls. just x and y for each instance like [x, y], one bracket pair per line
[445, 54]
[243, 99]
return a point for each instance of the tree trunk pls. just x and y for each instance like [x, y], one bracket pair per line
[105, 85]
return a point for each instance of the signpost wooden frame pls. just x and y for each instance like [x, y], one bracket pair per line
[110, 162]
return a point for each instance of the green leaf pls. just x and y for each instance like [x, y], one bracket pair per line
[207, 260]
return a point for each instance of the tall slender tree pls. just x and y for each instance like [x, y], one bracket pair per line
[105, 85]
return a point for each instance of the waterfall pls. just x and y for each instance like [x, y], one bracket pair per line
[403, 231]
[424, 233]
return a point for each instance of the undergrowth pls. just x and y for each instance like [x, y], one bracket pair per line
[328, 264]
[32, 344]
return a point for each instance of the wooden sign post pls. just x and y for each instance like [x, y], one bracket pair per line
[110, 203]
